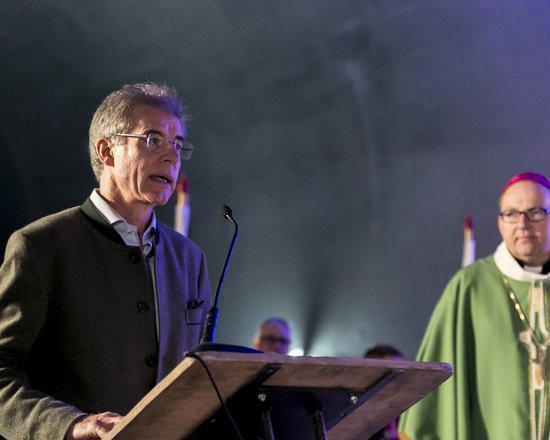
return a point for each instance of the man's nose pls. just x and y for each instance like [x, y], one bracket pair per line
[523, 220]
[172, 153]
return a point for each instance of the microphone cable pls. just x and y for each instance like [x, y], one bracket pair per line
[220, 398]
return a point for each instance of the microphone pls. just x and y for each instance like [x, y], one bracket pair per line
[212, 316]
[226, 213]
[207, 339]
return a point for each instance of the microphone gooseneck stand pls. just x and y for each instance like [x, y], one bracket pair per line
[207, 340]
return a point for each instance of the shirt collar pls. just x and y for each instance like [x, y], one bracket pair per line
[127, 232]
[509, 266]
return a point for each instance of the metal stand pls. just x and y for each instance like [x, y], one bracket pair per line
[319, 423]
[267, 426]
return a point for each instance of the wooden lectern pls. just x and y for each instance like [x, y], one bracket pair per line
[278, 397]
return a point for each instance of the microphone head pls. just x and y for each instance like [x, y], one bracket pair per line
[226, 212]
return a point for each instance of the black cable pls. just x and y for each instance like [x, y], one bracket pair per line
[224, 406]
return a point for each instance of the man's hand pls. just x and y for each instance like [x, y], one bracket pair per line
[93, 427]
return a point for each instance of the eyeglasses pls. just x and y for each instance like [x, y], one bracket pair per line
[157, 143]
[533, 215]
[274, 340]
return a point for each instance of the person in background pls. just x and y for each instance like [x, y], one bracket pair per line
[382, 351]
[273, 336]
[99, 302]
[491, 324]
[388, 352]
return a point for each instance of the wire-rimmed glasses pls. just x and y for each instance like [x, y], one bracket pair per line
[157, 143]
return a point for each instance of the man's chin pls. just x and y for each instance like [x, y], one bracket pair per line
[159, 199]
[532, 258]
[526, 248]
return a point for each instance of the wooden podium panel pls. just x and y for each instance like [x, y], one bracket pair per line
[376, 391]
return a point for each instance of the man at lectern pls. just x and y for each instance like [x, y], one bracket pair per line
[99, 302]
[492, 324]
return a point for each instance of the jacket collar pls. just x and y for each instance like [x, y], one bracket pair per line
[99, 222]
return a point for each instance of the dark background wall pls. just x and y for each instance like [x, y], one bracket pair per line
[350, 138]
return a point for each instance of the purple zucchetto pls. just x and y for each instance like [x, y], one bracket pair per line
[533, 177]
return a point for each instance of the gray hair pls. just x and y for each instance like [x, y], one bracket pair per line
[114, 114]
[275, 320]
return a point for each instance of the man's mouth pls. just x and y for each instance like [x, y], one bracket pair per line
[162, 179]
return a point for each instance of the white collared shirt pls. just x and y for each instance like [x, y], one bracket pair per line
[127, 232]
[130, 236]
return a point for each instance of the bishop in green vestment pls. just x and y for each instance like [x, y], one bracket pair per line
[492, 324]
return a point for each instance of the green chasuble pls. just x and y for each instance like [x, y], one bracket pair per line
[499, 390]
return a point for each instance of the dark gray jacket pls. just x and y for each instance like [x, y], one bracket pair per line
[77, 320]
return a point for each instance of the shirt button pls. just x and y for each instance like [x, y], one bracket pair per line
[143, 307]
[151, 361]
[134, 257]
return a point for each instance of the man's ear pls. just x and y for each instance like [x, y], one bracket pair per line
[256, 342]
[501, 227]
[104, 152]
